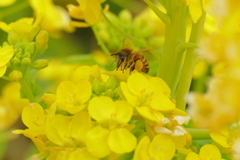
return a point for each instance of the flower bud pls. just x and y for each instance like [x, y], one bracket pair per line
[125, 16]
[42, 40]
[25, 61]
[97, 86]
[49, 98]
[30, 48]
[15, 61]
[40, 64]
[112, 83]
[15, 75]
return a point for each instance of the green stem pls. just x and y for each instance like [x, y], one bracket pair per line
[100, 42]
[165, 18]
[27, 91]
[199, 133]
[188, 66]
[171, 60]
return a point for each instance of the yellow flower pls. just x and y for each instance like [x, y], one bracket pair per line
[72, 97]
[53, 18]
[6, 53]
[24, 29]
[11, 105]
[111, 135]
[88, 10]
[7, 3]
[207, 152]
[160, 148]
[149, 96]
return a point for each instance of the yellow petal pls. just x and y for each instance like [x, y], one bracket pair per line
[132, 99]
[5, 3]
[210, 151]
[150, 114]
[123, 111]
[141, 152]
[3, 70]
[84, 91]
[192, 156]
[122, 141]
[195, 9]
[6, 53]
[161, 102]
[220, 139]
[162, 147]
[33, 116]
[137, 83]
[81, 153]
[80, 123]
[58, 130]
[96, 142]
[101, 108]
[160, 86]
[81, 73]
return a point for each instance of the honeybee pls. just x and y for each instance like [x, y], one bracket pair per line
[127, 58]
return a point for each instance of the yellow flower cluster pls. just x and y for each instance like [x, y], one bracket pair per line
[95, 108]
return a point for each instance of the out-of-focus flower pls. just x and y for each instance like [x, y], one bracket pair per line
[24, 29]
[6, 53]
[195, 9]
[7, 3]
[11, 105]
[53, 19]
[88, 10]
[161, 147]
[207, 152]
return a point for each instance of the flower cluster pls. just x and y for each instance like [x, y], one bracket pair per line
[95, 108]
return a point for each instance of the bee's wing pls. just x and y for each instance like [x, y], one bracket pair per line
[127, 42]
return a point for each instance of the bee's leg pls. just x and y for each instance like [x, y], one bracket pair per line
[138, 65]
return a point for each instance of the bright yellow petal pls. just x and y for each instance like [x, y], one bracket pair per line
[160, 86]
[5, 27]
[5, 3]
[137, 83]
[141, 152]
[192, 156]
[162, 102]
[210, 151]
[81, 73]
[83, 91]
[195, 9]
[123, 111]
[81, 153]
[58, 130]
[150, 114]
[162, 147]
[3, 70]
[101, 108]
[80, 124]
[132, 99]
[122, 141]
[96, 142]
[33, 116]
[220, 139]
[6, 53]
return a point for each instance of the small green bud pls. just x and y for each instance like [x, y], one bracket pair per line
[30, 47]
[40, 64]
[26, 61]
[41, 42]
[26, 55]
[13, 37]
[15, 75]
[109, 93]
[5, 44]
[15, 61]
[97, 86]
[112, 83]
[125, 16]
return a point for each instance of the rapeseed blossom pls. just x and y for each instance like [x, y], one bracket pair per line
[87, 111]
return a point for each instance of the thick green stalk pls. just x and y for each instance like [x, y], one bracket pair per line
[188, 66]
[171, 60]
